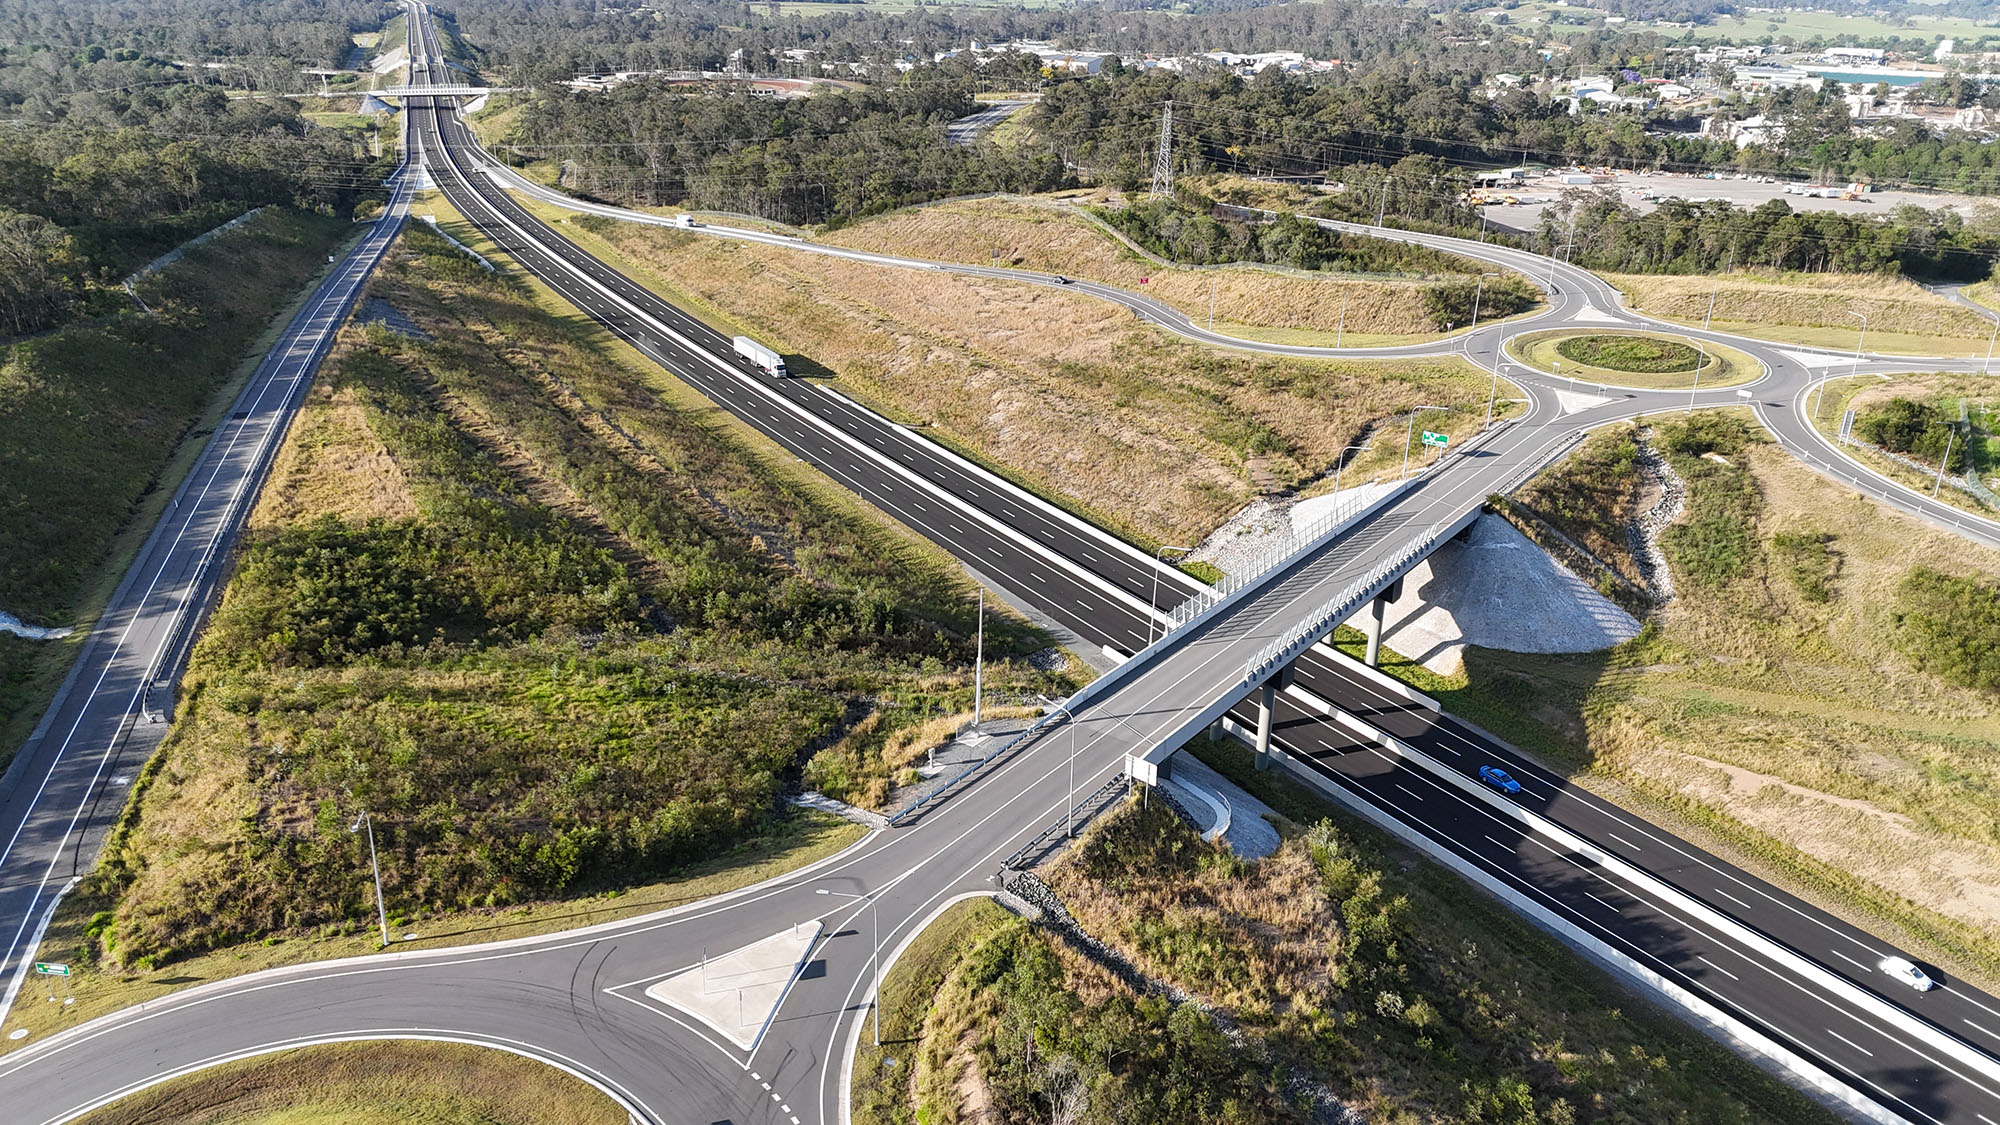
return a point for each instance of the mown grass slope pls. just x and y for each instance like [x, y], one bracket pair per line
[1151, 436]
[370, 1084]
[1779, 708]
[99, 416]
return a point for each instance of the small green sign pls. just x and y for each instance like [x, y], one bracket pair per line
[51, 969]
[1438, 440]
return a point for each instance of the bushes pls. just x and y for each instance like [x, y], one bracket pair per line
[1950, 627]
[1642, 354]
[1808, 562]
[1714, 543]
[1920, 429]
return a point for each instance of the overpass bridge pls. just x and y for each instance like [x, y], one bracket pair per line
[443, 90]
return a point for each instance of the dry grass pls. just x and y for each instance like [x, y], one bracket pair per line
[1152, 436]
[1903, 317]
[1794, 729]
[1860, 392]
[1044, 235]
[97, 992]
[370, 1084]
[332, 464]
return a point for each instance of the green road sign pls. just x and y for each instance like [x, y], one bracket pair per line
[51, 969]
[1438, 440]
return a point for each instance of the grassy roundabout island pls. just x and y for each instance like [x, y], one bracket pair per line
[1643, 360]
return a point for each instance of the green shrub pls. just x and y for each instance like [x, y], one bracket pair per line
[1950, 627]
[1919, 429]
[1809, 562]
[1645, 354]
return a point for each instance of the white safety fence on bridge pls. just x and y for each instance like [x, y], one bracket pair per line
[1322, 621]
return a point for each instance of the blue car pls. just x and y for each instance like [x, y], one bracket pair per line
[1499, 779]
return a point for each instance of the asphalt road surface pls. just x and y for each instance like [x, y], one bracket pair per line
[577, 999]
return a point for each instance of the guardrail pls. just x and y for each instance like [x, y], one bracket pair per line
[1339, 608]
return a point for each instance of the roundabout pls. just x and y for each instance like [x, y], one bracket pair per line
[1637, 360]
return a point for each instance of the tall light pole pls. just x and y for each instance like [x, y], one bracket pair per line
[1700, 357]
[1987, 368]
[874, 957]
[1346, 294]
[1861, 341]
[1711, 306]
[1946, 459]
[381, 908]
[1153, 603]
[1554, 261]
[1340, 465]
[1492, 393]
[1411, 436]
[1382, 209]
[1477, 293]
[979, 661]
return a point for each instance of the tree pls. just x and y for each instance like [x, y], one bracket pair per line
[40, 271]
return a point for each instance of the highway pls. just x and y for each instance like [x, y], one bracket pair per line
[577, 999]
[70, 779]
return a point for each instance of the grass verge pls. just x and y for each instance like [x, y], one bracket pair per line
[101, 419]
[97, 991]
[1819, 310]
[1721, 366]
[1859, 392]
[386, 1083]
[890, 1081]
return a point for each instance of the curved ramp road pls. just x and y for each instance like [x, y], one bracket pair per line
[69, 781]
[1788, 975]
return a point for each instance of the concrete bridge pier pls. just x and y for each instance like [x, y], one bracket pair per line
[1267, 701]
[1375, 607]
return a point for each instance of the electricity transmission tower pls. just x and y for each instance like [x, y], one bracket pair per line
[1163, 157]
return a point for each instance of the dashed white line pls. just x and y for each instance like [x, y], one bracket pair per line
[1625, 842]
[1408, 790]
[1509, 847]
[1608, 904]
[1717, 968]
[1851, 1043]
[1981, 1030]
[1851, 961]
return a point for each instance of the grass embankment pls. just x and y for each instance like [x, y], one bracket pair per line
[1938, 398]
[370, 1084]
[1904, 318]
[1644, 362]
[1153, 437]
[1289, 306]
[607, 638]
[1342, 961]
[101, 418]
[1776, 709]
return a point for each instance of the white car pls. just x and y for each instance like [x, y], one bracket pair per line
[1906, 971]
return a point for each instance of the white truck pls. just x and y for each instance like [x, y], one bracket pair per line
[685, 221]
[762, 357]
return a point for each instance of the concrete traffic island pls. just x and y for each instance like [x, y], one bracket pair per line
[738, 992]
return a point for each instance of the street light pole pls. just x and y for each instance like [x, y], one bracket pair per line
[1987, 368]
[1946, 459]
[1382, 209]
[1700, 357]
[375, 865]
[1340, 466]
[1711, 307]
[1410, 437]
[874, 957]
[1858, 343]
[1555, 260]
[1492, 393]
[1153, 603]
[1338, 329]
[979, 661]
[1477, 293]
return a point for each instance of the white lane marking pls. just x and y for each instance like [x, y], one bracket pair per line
[1408, 790]
[1979, 1029]
[1852, 961]
[1850, 1042]
[1733, 898]
[1624, 841]
[1716, 967]
[1497, 843]
[1608, 904]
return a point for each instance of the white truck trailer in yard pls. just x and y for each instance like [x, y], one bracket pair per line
[762, 356]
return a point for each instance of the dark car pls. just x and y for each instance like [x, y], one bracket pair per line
[1499, 779]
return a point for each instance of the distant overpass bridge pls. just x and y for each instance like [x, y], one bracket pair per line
[460, 90]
